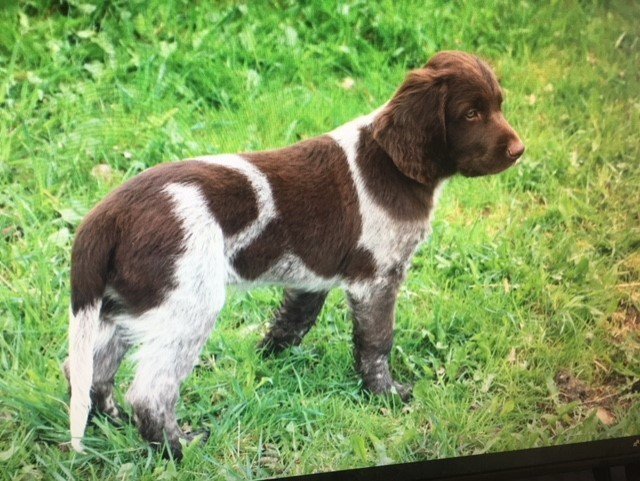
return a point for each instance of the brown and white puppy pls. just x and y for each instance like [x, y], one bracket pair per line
[151, 263]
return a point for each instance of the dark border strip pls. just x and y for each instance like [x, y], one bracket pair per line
[500, 466]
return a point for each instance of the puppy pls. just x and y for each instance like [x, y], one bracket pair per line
[151, 263]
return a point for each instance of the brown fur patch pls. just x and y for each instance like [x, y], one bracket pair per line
[135, 232]
[229, 195]
[143, 239]
[400, 196]
[318, 214]
[263, 252]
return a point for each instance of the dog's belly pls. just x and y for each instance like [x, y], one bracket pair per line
[288, 271]
[392, 255]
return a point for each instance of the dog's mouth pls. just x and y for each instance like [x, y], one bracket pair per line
[489, 167]
[506, 164]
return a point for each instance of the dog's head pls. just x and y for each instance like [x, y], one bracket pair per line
[447, 118]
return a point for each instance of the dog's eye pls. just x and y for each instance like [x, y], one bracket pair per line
[471, 114]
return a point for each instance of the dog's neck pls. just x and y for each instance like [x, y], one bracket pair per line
[402, 197]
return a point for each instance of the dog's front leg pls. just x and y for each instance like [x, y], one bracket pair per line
[373, 307]
[295, 318]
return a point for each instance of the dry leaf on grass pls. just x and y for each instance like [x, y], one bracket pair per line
[102, 172]
[605, 416]
[347, 83]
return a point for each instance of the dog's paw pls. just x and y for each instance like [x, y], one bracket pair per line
[201, 435]
[404, 391]
[174, 447]
[269, 346]
[114, 414]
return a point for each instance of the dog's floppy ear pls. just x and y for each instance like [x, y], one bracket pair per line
[411, 127]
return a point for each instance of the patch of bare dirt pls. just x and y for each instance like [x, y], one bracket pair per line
[604, 395]
[611, 393]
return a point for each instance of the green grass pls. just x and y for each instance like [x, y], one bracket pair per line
[519, 320]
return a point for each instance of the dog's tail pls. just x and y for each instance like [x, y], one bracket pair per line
[90, 259]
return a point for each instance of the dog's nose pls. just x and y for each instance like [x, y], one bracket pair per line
[515, 149]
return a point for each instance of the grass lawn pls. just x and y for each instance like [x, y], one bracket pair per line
[520, 320]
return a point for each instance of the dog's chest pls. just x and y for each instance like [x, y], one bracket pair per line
[391, 242]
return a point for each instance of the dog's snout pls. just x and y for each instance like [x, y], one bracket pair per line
[515, 149]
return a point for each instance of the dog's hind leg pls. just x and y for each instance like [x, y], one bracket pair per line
[165, 358]
[109, 350]
[171, 335]
[294, 319]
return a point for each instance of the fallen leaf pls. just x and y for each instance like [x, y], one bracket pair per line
[269, 462]
[11, 232]
[126, 471]
[486, 385]
[605, 416]
[60, 238]
[95, 68]
[65, 447]
[620, 39]
[70, 216]
[30, 472]
[253, 79]
[199, 37]
[291, 36]
[33, 79]
[511, 358]
[24, 22]
[102, 172]
[8, 454]
[347, 83]
[86, 8]
[507, 407]
[167, 48]
[85, 33]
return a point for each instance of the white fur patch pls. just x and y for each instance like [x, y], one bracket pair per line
[437, 193]
[364, 291]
